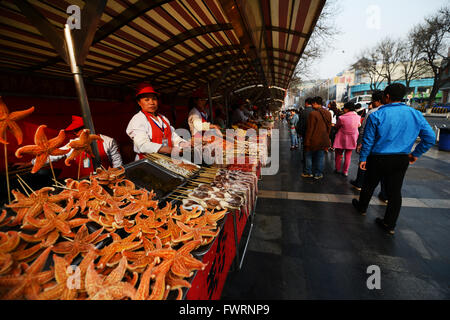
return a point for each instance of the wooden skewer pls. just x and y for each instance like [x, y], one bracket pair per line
[64, 187]
[23, 187]
[6, 168]
[22, 180]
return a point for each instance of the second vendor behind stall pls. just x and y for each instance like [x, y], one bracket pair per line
[150, 131]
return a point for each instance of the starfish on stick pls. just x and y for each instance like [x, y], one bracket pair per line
[82, 144]
[43, 148]
[8, 121]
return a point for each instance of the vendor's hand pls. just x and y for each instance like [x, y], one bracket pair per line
[185, 144]
[362, 165]
[412, 159]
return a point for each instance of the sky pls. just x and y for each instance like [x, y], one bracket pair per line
[363, 23]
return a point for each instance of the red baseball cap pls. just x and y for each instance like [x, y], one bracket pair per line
[144, 88]
[77, 122]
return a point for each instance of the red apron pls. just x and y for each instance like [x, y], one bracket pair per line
[158, 133]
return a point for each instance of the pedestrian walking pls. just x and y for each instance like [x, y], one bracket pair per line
[346, 137]
[317, 139]
[376, 102]
[389, 136]
[301, 128]
[293, 120]
[334, 116]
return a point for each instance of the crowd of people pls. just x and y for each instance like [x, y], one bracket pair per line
[383, 135]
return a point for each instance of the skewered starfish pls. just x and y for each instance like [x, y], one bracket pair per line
[182, 262]
[82, 243]
[110, 287]
[82, 144]
[29, 283]
[205, 234]
[8, 121]
[144, 286]
[159, 288]
[80, 190]
[43, 148]
[64, 289]
[33, 205]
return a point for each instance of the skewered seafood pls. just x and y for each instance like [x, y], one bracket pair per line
[8, 121]
[82, 144]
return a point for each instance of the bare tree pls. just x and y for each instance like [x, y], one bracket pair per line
[322, 36]
[368, 64]
[432, 39]
[388, 53]
[413, 65]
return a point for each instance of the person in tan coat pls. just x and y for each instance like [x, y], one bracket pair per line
[317, 140]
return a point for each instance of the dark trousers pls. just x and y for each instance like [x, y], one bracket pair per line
[359, 181]
[392, 169]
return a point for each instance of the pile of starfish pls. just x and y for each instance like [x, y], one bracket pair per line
[48, 252]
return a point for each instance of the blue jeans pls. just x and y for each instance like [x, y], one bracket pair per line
[294, 140]
[315, 162]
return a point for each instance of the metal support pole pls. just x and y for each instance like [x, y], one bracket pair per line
[81, 92]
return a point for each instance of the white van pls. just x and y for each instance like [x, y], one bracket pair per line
[363, 100]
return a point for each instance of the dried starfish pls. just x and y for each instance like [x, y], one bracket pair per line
[82, 144]
[171, 233]
[3, 219]
[182, 262]
[146, 200]
[29, 283]
[113, 209]
[8, 242]
[64, 289]
[144, 286]
[8, 121]
[187, 215]
[79, 190]
[33, 205]
[127, 191]
[43, 148]
[61, 223]
[110, 176]
[82, 243]
[208, 219]
[140, 259]
[160, 288]
[205, 233]
[147, 226]
[118, 245]
[110, 287]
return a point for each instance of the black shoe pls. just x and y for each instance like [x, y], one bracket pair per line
[382, 199]
[384, 226]
[353, 183]
[355, 204]
[335, 171]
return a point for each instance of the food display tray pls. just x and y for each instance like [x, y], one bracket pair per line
[148, 175]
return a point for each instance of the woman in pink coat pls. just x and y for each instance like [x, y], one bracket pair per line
[346, 137]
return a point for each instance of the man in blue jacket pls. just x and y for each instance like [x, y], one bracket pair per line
[389, 136]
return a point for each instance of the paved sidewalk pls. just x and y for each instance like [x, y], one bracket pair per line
[307, 242]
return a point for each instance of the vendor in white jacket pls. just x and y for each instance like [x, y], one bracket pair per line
[198, 116]
[150, 131]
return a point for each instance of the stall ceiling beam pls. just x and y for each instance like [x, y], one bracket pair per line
[185, 64]
[193, 33]
[289, 31]
[41, 23]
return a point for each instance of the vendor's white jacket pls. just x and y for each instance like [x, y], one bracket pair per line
[140, 131]
[109, 144]
[195, 122]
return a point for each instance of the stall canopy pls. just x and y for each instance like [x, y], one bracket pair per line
[246, 47]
